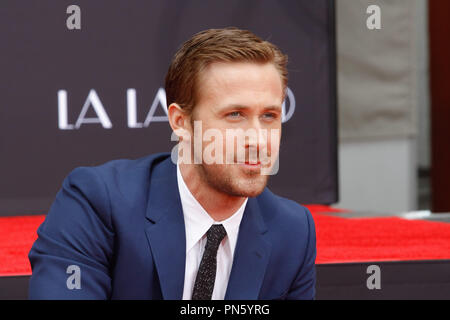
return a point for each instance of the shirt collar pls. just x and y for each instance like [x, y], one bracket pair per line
[198, 221]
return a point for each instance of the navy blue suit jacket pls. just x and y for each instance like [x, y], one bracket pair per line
[122, 224]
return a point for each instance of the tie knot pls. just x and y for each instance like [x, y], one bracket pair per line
[215, 234]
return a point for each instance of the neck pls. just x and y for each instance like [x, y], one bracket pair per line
[219, 205]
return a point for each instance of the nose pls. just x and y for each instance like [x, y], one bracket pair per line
[256, 139]
[251, 133]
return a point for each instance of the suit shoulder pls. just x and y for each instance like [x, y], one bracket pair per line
[121, 179]
[122, 165]
[284, 210]
[118, 172]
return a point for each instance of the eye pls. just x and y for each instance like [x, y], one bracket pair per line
[269, 116]
[234, 114]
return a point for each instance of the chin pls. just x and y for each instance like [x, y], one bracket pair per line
[236, 183]
[250, 188]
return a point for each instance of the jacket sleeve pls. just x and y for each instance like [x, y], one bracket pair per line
[72, 256]
[304, 286]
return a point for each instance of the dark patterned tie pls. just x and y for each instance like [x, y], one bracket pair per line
[206, 275]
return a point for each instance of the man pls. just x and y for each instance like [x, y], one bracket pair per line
[204, 227]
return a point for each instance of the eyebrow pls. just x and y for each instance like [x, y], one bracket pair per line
[241, 107]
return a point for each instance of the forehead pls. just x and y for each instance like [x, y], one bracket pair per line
[245, 83]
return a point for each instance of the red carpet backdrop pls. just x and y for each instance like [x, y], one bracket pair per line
[339, 240]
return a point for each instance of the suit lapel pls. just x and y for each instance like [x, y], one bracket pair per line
[250, 257]
[166, 235]
[165, 230]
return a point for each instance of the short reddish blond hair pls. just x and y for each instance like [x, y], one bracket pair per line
[216, 45]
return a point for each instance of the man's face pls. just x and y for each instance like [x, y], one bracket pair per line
[246, 96]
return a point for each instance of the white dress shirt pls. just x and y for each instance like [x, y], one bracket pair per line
[197, 222]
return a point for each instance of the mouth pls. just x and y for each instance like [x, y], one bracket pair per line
[256, 166]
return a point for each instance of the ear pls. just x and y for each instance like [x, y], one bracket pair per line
[178, 120]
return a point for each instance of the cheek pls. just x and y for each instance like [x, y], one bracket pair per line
[273, 139]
